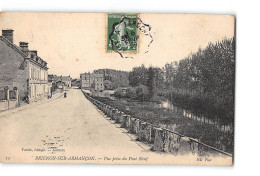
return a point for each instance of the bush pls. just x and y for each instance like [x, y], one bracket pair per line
[130, 93]
[119, 93]
[142, 93]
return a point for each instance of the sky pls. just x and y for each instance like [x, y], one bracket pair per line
[74, 43]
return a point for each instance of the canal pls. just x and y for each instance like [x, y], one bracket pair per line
[220, 123]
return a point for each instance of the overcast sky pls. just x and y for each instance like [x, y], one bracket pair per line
[73, 43]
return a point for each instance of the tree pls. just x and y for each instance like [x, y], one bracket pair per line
[210, 73]
[142, 93]
[138, 76]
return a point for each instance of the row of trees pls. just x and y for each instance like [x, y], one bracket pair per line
[211, 70]
[204, 80]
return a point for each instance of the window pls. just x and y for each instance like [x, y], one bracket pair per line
[3, 95]
[12, 94]
[34, 74]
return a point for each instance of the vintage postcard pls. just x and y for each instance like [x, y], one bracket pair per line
[117, 88]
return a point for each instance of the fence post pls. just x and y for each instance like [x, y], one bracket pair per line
[136, 126]
[118, 114]
[159, 143]
[124, 121]
[145, 131]
[128, 122]
[121, 117]
[131, 125]
[113, 114]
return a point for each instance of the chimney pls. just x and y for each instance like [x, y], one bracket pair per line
[44, 64]
[24, 46]
[40, 60]
[8, 34]
[35, 52]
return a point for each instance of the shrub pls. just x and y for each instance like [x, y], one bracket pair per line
[130, 93]
[142, 93]
[119, 93]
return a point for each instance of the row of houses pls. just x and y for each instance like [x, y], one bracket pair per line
[23, 69]
[60, 82]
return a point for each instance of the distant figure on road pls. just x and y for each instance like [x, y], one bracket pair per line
[26, 98]
[65, 95]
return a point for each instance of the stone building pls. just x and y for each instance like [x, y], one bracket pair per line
[60, 82]
[22, 68]
[85, 80]
[92, 81]
[96, 82]
[66, 80]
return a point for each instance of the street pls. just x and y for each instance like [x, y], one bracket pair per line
[71, 130]
[69, 126]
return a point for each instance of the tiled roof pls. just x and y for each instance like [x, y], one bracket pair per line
[39, 61]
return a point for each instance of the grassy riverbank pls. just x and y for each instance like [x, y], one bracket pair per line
[149, 112]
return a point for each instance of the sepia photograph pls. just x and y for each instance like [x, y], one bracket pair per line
[117, 88]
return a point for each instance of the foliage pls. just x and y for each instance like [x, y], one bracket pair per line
[139, 75]
[108, 85]
[142, 93]
[119, 93]
[205, 79]
[151, 77]
[130, 93]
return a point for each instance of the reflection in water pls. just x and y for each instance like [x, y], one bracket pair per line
[212, 120]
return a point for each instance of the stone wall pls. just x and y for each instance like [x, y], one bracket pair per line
[160, 140]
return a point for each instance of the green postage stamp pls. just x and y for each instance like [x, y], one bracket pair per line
[122, 33]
